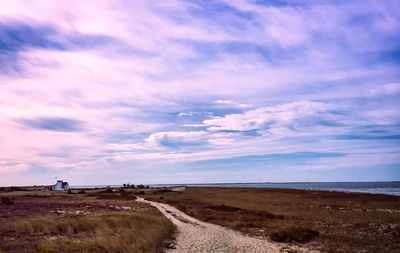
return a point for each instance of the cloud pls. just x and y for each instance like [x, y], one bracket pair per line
[390, 89]
[231, 103]
[53, 124]
[268, 117]
[181, 114]
[17, 37]
[193, 125]
[122, 88]
[177, 139]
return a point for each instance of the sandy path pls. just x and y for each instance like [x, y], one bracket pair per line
[197, 236]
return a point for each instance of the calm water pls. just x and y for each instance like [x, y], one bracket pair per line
[389, 188]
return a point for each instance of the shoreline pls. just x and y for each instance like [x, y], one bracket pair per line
[394, 191]
[368, 187]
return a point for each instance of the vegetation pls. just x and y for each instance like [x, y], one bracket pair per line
[327, 221]
[294, 234]
[81, 223]
[6, 200]
[111, 232]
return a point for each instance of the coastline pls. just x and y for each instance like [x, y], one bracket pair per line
[380, 187]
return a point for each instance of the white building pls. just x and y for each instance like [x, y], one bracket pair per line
[60, 186]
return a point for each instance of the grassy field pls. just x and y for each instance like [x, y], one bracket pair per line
[52, 222]
[328, 221]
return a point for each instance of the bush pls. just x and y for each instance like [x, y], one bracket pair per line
[7, 200]
[294, 234]
[161, 191]
[81, 192]
[141, 193]
[108, 190]
[224, 208]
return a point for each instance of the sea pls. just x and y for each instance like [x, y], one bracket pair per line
[388, 188]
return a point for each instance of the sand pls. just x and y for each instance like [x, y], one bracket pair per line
[198, 236]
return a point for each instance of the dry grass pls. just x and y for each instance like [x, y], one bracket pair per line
[111, 232]
[66, 223]
[294, 234]
[345, 222]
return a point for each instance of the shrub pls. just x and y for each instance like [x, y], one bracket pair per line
[108, 190]
[82, 192]
[7, 200]
[141, 193]
[161, 191]
[224, 208]
[294, 234]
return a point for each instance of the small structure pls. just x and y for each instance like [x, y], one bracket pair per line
[60, 186]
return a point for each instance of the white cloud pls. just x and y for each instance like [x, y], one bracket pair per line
[389, 89]
[177, 138]
[268, 117]
[231, 103]
[193, 125]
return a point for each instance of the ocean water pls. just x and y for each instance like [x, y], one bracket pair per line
[388, 188]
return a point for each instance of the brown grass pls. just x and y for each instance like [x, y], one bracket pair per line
[294, 234]
[343, 222]
[76, 223]
[111, 232]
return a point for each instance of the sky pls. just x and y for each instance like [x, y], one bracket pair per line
[112, 92]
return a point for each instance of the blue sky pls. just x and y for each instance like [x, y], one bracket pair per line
[111, 92]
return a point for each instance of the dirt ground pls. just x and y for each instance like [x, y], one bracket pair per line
[195, 236]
